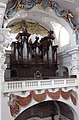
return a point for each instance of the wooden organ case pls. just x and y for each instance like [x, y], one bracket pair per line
[33, 60]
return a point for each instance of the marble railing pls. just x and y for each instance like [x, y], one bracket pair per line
[15, 86]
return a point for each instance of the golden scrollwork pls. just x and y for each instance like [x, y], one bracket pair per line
[19, 5]
[68, 15]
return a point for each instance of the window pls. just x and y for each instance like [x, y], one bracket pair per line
[61, 33]
[64, 37]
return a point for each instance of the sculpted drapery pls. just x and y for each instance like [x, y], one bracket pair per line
[15, 101]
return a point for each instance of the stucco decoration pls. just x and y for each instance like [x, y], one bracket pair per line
[39, 97]
[44, 4]
[66, 14]
[3, 44]
[2, 41]
[15, 101]
[32, 28]
[1, 38]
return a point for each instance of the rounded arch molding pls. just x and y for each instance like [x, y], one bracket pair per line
[40, 16]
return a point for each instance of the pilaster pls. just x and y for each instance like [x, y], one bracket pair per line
[4, 40]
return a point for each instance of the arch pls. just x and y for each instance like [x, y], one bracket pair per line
[43, 18]
[62, 72]
[38, 15]
[65, 72]
[47, 109]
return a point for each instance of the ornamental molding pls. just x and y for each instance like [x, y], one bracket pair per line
[2, 38]
[44, 5]
[4, 41]
[73, 1]
[16, 101]
[5, 38]
[2, 5]
[21, 14]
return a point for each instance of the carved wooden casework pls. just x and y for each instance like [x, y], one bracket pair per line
[33, 60]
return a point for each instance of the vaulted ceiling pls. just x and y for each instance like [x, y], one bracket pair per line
[68, 9]
[72, 5]
[47, 13]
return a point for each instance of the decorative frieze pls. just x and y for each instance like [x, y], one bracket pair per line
[15, 101]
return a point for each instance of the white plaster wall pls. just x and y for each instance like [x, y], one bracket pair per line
[69, 58]
[5, 111]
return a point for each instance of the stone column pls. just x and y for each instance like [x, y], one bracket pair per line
[2, 12]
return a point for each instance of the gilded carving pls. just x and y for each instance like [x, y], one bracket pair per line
[43, 4]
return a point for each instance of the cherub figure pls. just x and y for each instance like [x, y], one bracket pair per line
[67, 15]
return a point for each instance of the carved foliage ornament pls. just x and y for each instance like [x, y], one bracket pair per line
[15, 101]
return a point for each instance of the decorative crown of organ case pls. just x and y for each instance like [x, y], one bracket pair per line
[33, 60]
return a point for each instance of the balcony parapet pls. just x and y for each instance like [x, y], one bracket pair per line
[28, 85]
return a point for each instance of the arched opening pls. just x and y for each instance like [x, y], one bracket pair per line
[47, 110]
[65, 72]
[62, 34]
[62, 72]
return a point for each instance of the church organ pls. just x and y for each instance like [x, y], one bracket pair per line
[33, 60]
